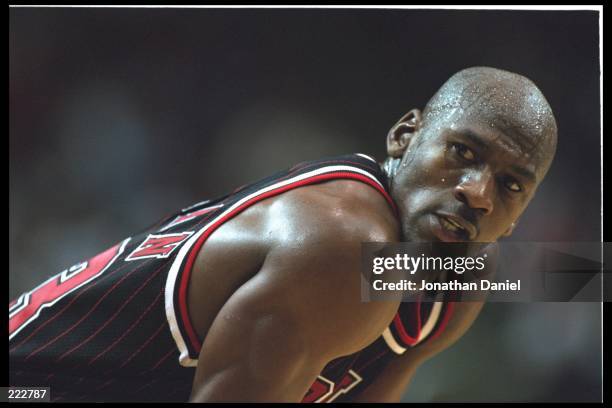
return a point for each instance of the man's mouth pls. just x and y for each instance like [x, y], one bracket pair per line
[450, 228]
[451, 225]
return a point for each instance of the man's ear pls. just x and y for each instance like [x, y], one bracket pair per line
[401, 134]
[510, 229]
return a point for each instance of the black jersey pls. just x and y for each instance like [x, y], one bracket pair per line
[116, 327]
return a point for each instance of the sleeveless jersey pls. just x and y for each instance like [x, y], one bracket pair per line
[116, 327]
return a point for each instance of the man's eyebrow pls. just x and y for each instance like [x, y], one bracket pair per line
[484, 144]
[526, 173]
[475, 138]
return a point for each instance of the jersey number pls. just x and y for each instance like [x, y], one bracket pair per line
[28, 306]
[158, 246]
[324, 390]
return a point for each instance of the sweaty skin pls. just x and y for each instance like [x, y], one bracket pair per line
[275, 292]
[292, 305]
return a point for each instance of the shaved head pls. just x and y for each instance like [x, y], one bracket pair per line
[504, 100]
[476, 154]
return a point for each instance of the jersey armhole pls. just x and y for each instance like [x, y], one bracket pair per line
[181, 328]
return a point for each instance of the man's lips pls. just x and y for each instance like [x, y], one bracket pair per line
[453, 228]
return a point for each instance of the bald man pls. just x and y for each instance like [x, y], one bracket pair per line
[255, 296]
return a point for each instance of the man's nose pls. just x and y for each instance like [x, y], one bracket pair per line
[476, 190]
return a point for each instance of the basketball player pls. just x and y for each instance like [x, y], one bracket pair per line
[255, 296]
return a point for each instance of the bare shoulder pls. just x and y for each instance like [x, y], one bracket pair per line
[316, 255]
[338, 210]
[299, 306]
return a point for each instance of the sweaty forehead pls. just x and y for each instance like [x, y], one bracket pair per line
[513, 107]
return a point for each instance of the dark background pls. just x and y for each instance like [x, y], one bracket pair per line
[118, 117]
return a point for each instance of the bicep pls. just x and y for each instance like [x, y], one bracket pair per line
[276, 332]
[253, 351]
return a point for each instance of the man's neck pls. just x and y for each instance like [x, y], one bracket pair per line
[390, 167]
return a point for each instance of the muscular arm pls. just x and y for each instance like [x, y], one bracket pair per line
[276, 332]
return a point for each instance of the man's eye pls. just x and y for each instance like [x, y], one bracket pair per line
[465, 152]
[513, 185]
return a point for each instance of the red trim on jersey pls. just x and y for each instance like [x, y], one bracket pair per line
[449, 311]
[407, 339]
[182, 296]
[189, 216]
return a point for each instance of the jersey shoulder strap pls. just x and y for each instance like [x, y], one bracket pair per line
[210, 215]
[417, 322]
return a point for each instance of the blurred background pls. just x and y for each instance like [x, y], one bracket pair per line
[118, 117]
